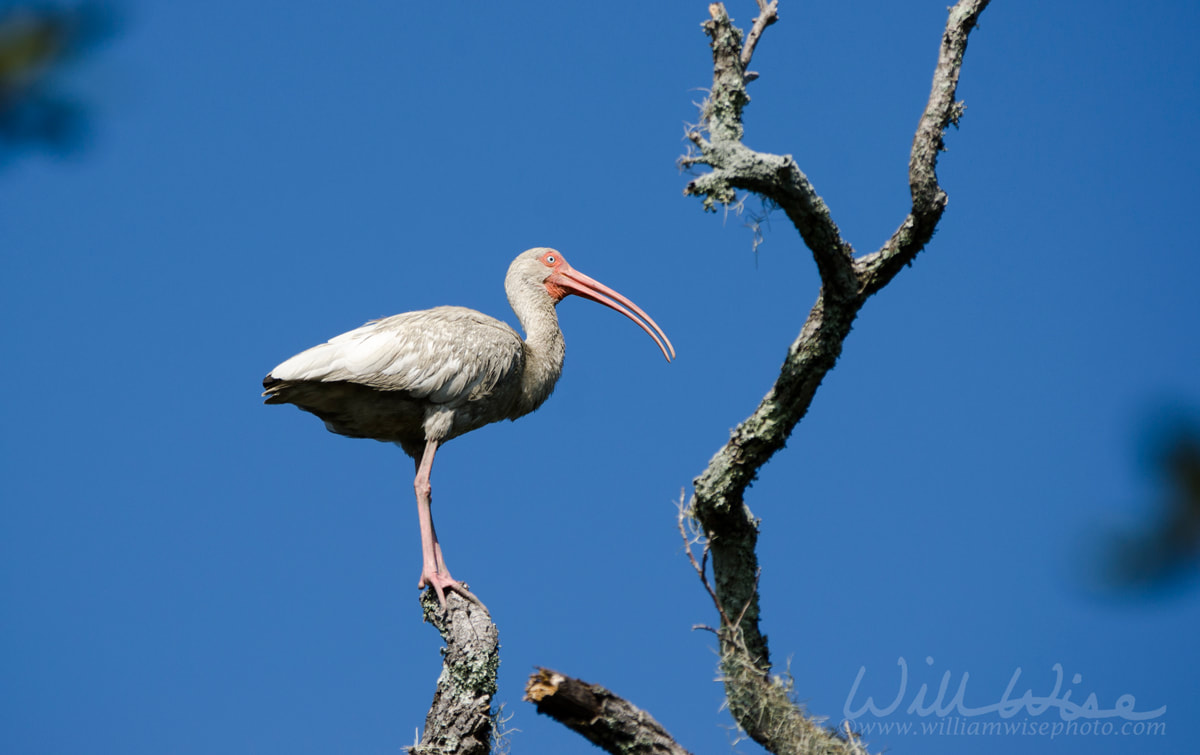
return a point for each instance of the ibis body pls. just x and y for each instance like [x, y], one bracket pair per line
[421, 378]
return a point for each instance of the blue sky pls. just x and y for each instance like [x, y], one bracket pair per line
[183, 570]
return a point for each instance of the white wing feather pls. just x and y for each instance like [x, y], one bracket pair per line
[445, 355]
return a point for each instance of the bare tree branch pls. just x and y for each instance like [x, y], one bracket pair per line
[767, 15]
[779, 723]
[928, 200]
[460, 718]
[604, 719]
[686, 522]
[775, 177]
[760, 703]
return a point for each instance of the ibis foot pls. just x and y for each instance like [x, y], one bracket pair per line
[441, 582]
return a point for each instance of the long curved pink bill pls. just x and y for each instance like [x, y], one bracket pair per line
[589, 288]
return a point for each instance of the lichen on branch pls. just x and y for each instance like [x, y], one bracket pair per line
[460, 720]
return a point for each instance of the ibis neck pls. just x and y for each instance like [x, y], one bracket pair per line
[544, 347]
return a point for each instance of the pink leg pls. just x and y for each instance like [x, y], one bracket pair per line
[433, 566]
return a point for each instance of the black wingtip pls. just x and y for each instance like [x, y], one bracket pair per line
[271, 387]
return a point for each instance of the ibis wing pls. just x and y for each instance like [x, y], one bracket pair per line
[442, 355]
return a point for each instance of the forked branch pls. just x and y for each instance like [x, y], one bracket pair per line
[728, 525]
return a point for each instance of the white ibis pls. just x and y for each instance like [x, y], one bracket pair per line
[421, 378]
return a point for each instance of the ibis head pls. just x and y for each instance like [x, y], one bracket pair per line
[548, 269]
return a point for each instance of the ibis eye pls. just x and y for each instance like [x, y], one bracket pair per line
[551, 259]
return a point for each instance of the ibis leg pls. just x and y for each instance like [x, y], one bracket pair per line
[433, 567]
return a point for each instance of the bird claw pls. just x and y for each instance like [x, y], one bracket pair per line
[441, 582]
